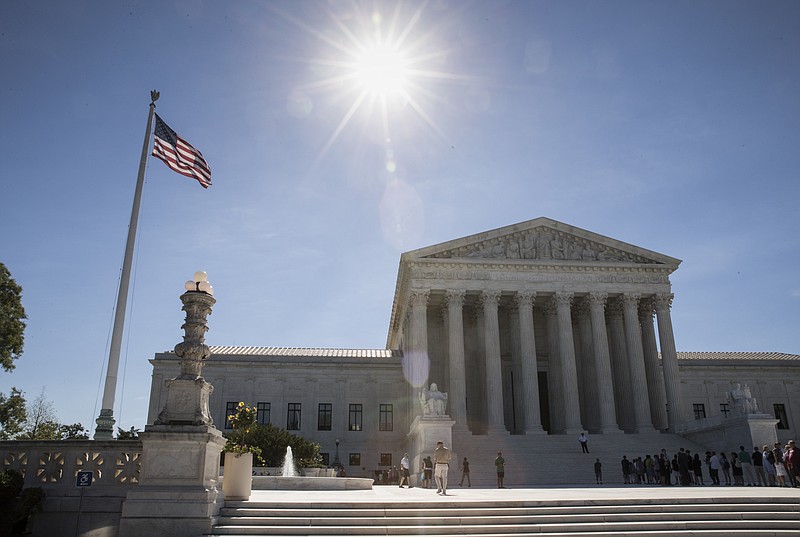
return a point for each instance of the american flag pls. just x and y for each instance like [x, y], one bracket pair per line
[179, 154]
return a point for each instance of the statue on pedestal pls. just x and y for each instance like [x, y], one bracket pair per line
[742, 400]
[433, 402]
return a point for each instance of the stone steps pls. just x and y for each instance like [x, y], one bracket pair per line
[762, 516]
[557, 459]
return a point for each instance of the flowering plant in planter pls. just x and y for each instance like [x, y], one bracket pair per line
[242, 421]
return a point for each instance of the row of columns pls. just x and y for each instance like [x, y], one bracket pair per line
[620, 353]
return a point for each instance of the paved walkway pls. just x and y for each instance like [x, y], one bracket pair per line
[391, 494]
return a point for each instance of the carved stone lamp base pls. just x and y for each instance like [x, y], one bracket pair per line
[187, 402]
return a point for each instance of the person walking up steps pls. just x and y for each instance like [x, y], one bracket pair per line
[583, 440]
[405, 465]
[441, 458]
[598, 471]
[465, 473]
[500, 466]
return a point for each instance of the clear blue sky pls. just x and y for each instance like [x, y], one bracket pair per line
[670, 125]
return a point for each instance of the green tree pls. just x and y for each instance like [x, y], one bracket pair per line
[273, 442]
[41, 422]
[76, 431]
[12, 320]
[12, 414]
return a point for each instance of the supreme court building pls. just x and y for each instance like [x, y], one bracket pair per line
[531, 331]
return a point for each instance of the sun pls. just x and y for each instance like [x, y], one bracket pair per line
[377, 69]
[381, 70]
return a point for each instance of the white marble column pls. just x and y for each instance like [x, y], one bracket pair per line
[455, 331]
[638, 386]
[655, 382]
[494, 375]
[554, 382]
[669, 360]
[569, 372]
[416, 364]
[619, 365]
[530, 369]
[586, 372]
[602, 365]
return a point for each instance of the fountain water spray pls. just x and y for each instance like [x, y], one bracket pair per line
[288, 464]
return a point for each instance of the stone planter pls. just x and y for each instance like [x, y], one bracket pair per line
[237, 481]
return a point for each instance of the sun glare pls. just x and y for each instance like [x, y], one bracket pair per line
[381, 70]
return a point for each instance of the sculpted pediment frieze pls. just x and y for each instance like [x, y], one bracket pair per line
[543, 243]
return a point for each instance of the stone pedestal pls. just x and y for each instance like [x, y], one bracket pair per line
[178, 493]
[727, 434]
[425, 432]
[187, 402]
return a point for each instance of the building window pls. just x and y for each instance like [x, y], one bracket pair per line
[324, 416]
[293, 417]
[355, 459]
[262, 413]
[386, 459]
[230, 410]
[724, 409]
[326, 459]
[355, 417]
[386, 418]
[699, 411]
[780, 415]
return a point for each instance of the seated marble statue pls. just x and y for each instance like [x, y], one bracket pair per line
[742, 400]
[433, 401]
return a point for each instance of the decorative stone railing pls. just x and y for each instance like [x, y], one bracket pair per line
[54, 466]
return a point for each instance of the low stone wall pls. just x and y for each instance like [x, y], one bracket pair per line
[54, 465]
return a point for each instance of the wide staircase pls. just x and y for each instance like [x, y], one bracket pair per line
[761, 516]
[535, 461]
[558, 460]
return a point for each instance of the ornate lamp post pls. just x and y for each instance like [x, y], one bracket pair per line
[178, 493]
[188, 393]
[336, 462]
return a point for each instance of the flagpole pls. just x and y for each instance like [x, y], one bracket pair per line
[105, 422]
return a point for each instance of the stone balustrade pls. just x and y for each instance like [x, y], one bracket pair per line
[54, 466]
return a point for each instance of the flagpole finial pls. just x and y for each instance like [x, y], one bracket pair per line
[154, 95]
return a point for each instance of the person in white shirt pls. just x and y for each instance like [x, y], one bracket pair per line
[405, 465]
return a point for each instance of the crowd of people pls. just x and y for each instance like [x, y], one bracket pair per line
[775, 466]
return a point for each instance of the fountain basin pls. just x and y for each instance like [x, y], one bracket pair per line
[277, 482]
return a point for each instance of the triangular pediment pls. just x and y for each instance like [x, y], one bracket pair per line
[541, 240]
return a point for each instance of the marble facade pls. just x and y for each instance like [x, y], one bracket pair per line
[534, 329]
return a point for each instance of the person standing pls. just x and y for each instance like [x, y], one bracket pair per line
[465, 473]
[780, 467]
[500, 467]
[768, 460]
[583, 440]
[747, 467]
[441, 458]
[598, 471]
[626, 470]
[714, 466]
[405, 466]
[758, 467]
[792, 461]
[427, 472]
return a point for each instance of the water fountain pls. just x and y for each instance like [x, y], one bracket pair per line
[291, 479]
[287, 470]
